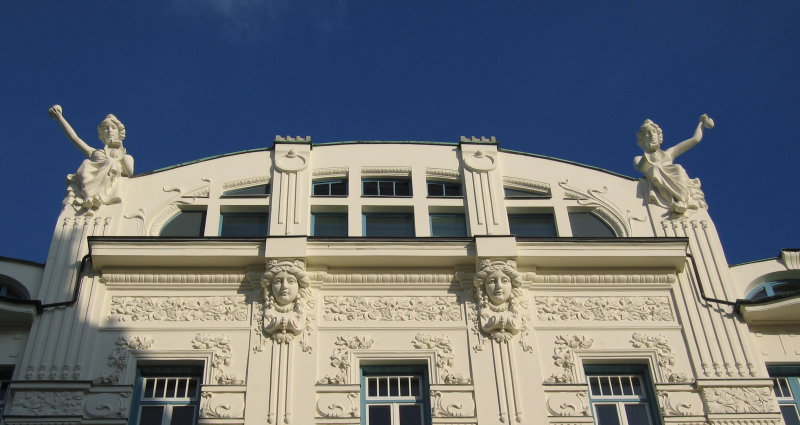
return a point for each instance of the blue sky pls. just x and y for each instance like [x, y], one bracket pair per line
[568, 79]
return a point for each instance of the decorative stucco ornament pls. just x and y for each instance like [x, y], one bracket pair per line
[501, 303]
[96, 183]
[670, 186]
[287, 299]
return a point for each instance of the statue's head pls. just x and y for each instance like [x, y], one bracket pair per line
[649, 136]
[284, 281]
[498, 281]
[111, 131]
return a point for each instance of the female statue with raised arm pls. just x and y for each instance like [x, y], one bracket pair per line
[96, 181]
[670, 186]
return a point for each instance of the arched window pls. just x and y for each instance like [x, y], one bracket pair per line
[778, 287]
[11, 288]
[587, 224]
[186, 223]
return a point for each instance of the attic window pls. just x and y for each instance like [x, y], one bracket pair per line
[259, 190]
[771, 289]
[514, 192]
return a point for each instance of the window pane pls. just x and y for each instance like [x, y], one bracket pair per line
[627, 388]
[149, 388]
[761, 293]
[160, 386]
[321, 189]
[370, 188]
[182, 415]
[186, 223]
[386, 188]
[448, 225]
[180, 391]
[260, 190]
[606, 414]
[394, 387]
[516, 193]
[171, 388]
[452, 189]
[192, 390]
[383, 387]
[379, 415]
[637, 385]
[415, 388]
[435, 189]
[594, 382]
[402, 188]
[151, 415]
[616, 388]
[389, 225]
[339, 188]
[244, 224]
[637, 414]
[411, 414]
[330, 225]
[532, 225]
[785, 287]
[789, 413]
[372, 387]
[605, 385]
[586, 224]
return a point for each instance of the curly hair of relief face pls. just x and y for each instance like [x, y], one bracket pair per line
[654, 128]
[483, 274]
[116, 122]
[302, 278]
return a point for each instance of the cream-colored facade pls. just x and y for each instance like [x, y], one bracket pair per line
[502, 328]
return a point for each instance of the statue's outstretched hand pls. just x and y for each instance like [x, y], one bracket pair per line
[54, 112]
[706, 121]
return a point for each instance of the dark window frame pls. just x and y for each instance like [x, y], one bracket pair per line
[385, 182]
[329, 184]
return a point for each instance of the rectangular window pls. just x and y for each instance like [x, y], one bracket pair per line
[437, 189]
[237, 225]
[5, 381]
[394, 396]
[448, 225]
[621, 395]
[388, 225]
[521, 193]
[185, 224]
[252, 191]
[328, 224]
[786, 380]
[166, 396]
[329, 187]
[532, 225]
[386, 187]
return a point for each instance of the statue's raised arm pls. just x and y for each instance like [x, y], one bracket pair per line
[670, 186]
[96, 182]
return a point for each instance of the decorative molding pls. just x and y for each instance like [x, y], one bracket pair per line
[648, 309]
[665, 358]
[531, 185]
[118, 359]
[664, 278]
[480, 161]
[331, 172]
[481, 139]
[574, 403]
[438, 309]
[107, 405]
[176, 309]
[502, 305]
[337, 405]
[242, 183]
[291, 162]
[46, 403]
[286, 312]
[739, 400]
[141, 217]
[442, 173]
[406, 171]
[293, 139]
[340, 359]
[444, 357]
[564, 358]
[452, 404]
[375, 278]
[791, 258]
[221, 405]
[677, 404]
[161, 217]
[601, 206]
[221, 347]
[185, 278]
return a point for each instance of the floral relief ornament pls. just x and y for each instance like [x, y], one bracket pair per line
[501, 303]
[287, 301]
[739, 400]
[221, 346]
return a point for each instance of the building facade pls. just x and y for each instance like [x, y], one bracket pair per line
[394, 283]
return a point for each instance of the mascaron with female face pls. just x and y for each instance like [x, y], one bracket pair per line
[285, 291]
[284, 288]
[498, 287]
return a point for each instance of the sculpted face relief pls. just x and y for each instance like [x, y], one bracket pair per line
[108, 132]
[498, 287]
[284, 288]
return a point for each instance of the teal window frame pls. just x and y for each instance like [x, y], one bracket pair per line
[139, 401]
[314, 223]
[463, 229]
[263, 232]
[389, 188]
[419, 371]
[445, 186]
[329, 184]
[550, 216]
[367, 216]
[769, 289]
[786, 380]
[646, 398]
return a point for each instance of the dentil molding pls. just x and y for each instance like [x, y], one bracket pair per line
[600, 279]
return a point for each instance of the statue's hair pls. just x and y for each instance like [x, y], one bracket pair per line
[511, 272]
[302, 278]
[654, 127]
[117, 122]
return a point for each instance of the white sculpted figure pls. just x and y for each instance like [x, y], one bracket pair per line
[286, 297]
[670, 186]
[96, 181]
[500, 299]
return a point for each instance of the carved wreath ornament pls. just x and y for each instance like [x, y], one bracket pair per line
[501, 303]
[287, 300]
